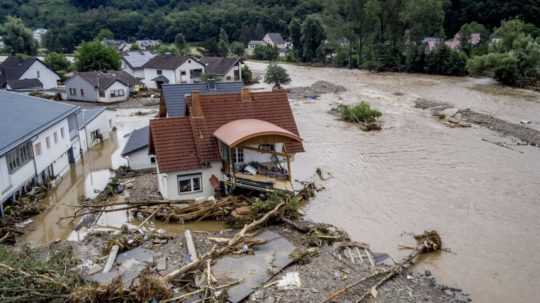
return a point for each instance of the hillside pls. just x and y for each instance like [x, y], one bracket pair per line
[73, 21]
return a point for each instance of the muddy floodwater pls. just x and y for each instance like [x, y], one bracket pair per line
[418, 174]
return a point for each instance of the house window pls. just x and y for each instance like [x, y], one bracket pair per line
[37, 148]
[238, 155]
[159, 72]
[73, 92]
[55, 138]
[183, 73]
[117, 93]
[38, 74]
[62, 133]
[267, 147]
[95, 135]
[19, 156]
[82, 92]
[189, 183]
[153, 160]
[48, 142]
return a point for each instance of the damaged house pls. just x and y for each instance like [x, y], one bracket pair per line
[226, 140]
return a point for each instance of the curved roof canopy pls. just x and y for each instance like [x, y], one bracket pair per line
[239, 131]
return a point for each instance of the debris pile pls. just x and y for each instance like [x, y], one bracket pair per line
[454, 117]
[315, 90]
[362, 114]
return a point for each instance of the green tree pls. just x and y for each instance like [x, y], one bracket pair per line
[276, 75]
[181, 45]
[134, 47]
[18, 38]
[238, 48]
[247, 75]
[94, 55]
[58, 62]
[313, 35]
[423, 18]
[467, 45]
[223, 43]
[104, 33]
[265, 52]
[295, 33]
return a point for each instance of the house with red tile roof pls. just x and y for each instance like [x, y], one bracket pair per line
[226, 141]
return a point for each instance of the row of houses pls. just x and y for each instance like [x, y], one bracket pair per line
[41, 138]
[454, 43]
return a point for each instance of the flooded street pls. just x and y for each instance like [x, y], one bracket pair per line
[418, 174]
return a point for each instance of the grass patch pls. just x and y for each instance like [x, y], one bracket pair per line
[360, 113]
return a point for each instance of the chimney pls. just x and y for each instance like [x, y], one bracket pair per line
[245, 95]
[196, 107]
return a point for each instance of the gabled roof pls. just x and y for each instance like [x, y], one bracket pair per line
[104, 80]
[14, 67]
[276, 38]
[171, 140]
[174, 94]
[24, 84]
[201, 147]
[170, 62]
[219, 65]
[23, 117]
[137, 59]
[137, 140]
[88, 115]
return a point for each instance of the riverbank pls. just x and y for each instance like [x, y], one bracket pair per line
[417, 172]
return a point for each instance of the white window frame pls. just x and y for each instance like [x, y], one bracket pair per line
[72, 91]
[190, 178]
[238, 155]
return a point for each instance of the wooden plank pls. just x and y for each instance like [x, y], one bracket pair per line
[191, 246]
[111, 259]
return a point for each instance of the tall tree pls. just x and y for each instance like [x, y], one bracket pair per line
[313, 35]
[181, 45]
[295, 34]
[18, 38]
[423, 18]
[223, 43]
[95, 56]
[276, 75]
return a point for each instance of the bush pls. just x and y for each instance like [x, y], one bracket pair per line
[247, 75]
[361, 113]
[265, 52]
[276, 75]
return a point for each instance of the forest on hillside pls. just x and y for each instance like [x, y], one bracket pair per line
[379, 35]
[74, 21]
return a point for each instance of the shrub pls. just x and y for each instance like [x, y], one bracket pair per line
[361, 113]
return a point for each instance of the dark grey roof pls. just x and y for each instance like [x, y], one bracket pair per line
[88, 115]
[218, 65]
[138, 140]
[24, 84]
[23, 117]
[137, 59]
[174, 94]
[161, 78]
[104, 80]
[276, 38]
[167, 61]
[13, 68]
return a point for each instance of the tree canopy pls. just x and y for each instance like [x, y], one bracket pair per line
[95, 55]
[18, 38]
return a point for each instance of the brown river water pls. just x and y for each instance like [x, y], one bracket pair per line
[418, 174]
[415, 174]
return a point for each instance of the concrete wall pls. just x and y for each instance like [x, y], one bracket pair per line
[116, 86]
[78, 83]
[48, 78]
[140, 160]
[168, 185]
[5, 181]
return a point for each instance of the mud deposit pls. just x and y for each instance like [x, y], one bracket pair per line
[419, 174]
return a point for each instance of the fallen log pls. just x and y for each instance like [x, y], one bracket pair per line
[217, 252]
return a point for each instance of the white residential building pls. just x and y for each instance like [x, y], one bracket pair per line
[133, 62]
[105, 87]
[37, 139]
[15, 72]
[95, 126]
[170, 69]
[136, 150]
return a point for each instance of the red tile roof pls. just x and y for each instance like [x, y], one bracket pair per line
[171, 140]
[169, 136]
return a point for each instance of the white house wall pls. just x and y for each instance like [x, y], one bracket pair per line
[56, 151]
[168, 185]
[78, 83]
[174, 76]
[101, 123]
[151, 73]
[116, 86]
[48, 78]
[187, 67]
[229, 77]
[140, 160]
[20, 177]
[5, 181]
